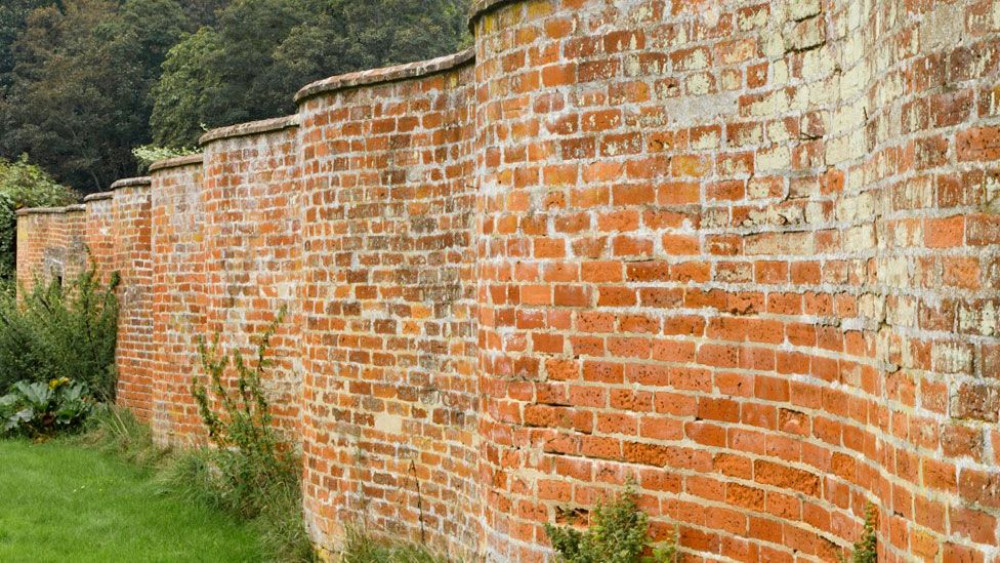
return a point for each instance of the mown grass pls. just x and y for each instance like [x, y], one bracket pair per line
[63, 502]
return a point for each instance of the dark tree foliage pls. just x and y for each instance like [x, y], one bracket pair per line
[83, 82]
[251, 63]
[203, 12]
[13, 20]
[79, 98]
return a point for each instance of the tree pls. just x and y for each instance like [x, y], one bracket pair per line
[13, 20]
[79, 98]
[84, 82]
[250, 64]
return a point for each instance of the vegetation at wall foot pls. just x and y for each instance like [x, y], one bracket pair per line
[116, 431]
[57, 355]
[251, 470]
[39, 410]
[618, 533]
[361, 546]
[55, 332]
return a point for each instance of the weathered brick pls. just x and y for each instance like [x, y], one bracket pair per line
[740, 250]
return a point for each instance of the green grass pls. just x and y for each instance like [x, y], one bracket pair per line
[62, 502]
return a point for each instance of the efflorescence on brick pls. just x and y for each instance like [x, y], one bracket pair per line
[747, 252]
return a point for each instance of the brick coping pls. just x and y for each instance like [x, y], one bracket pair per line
[249, 129]
[98, 197]
[140, 182]
[178, 162]
[385, 75]
[41, 211]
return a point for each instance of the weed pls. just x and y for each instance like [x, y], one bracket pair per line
[362, 547]
[115, 430]
[618, 533]
[251, 471]
[866, 549]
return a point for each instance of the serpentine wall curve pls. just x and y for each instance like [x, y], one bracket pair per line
[745, 252]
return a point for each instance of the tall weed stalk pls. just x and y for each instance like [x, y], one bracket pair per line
[251, 471]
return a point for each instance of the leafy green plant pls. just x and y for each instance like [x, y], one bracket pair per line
[146, 155]
[39, 409]
[866, 549]
[618, 533]
[250, 451]
[55, 332]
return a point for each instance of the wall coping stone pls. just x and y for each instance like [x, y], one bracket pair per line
[385, 75]
[78, 208]
[178, 162]
[140, 182]
[249, 129]
[98, 197]
[481, 7]
[40, 211]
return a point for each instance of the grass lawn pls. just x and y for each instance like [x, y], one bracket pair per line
[61, 502]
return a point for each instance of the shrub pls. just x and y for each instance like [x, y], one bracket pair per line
[56, 333]
[618, 533]
[40, 409]
[146, 155]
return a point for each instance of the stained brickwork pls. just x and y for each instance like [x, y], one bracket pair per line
[131, 233]
[745, 252]
[179, 295]
[252, 213]
[40, 246]
[98, 228]
[389, 308]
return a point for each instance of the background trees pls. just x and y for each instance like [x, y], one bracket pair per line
[252, 62]
[83, 82]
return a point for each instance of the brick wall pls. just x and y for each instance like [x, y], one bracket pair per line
[746, 247]
[131, 233]
[179, 294]
[98, 227]
[745, 252]
[389, 305]
[40, 246]
[251, 223]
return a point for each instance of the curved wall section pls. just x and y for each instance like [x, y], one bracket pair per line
[131, 208]
[40, 246]
[253, 207]
[99, 223]
[179, 289]
[721, 250]
[389, 306]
